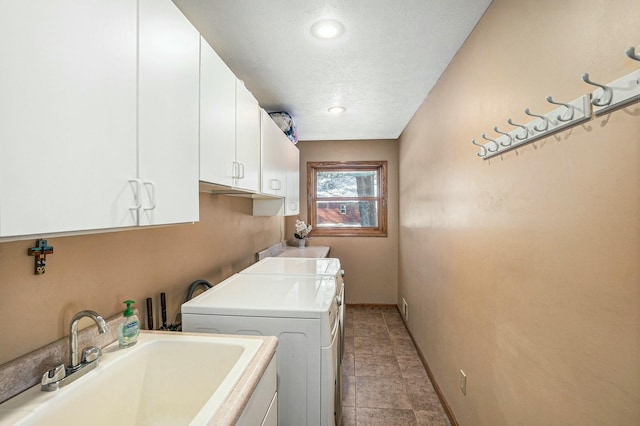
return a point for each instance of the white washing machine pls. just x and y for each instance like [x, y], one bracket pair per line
[302, 312]
[312, 267]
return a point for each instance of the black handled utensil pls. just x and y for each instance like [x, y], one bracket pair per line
[149, 313]
[163, 303]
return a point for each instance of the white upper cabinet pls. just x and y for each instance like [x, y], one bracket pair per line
[247, 140]
[168, 111]
[274, 157]
[89, 139]
[292, 197]
[68, 112]
[229, 127]
[217, 119]
[280, 169]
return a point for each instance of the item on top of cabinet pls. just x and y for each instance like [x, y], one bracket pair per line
[287, 125]
[40, 251]
[129, 328]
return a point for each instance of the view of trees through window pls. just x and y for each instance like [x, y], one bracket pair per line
[348, 187]
[348, 195]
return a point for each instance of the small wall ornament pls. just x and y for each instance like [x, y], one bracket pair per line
[40, 251]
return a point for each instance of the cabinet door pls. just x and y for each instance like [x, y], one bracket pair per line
[247, 139]
[168, 114]
[292, 199]
[68, 108]
[273, 157]
[217, 118]
[271, 418]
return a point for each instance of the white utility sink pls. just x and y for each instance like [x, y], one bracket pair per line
[165, 379]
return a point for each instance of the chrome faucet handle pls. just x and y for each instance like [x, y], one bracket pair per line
[52, 378]
[90, 354]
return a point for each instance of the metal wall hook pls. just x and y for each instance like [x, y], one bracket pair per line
[525, 128]
[570, 109]
[484, 150]
[545, 120]
[495, 128]
[631, 52]
[491, 140]
[607, 92]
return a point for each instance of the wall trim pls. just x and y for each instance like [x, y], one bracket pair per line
[374, 306]
[436, 387]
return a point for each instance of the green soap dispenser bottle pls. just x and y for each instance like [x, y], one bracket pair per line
[129, 328]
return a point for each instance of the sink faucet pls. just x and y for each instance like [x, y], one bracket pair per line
[73, 335]
[59, 376]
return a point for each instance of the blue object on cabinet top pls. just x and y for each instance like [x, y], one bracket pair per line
[287, 125]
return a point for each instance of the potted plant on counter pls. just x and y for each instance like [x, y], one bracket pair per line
[302, 232]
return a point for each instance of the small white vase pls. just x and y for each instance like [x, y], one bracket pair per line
[301, 242]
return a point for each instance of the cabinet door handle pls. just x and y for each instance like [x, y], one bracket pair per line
[275, 184]
[234, 170]
[151, 190]
[241, 171]
[137, 194]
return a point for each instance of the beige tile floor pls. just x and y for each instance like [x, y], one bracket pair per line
[384, 382]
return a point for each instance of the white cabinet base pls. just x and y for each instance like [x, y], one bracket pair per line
[261, 408]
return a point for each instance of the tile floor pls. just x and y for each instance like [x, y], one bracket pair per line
[384, 382]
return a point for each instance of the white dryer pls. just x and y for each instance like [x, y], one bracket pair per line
[303, 313]
[311, 267]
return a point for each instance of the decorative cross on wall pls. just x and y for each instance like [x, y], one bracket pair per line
[40, 252]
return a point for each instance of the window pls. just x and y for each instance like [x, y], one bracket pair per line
[347, 199]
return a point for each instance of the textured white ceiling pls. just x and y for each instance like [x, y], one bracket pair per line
[381, 69]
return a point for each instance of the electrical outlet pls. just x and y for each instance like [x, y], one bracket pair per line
[463, 382]
[405, 309]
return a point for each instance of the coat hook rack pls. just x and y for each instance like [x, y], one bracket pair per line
[605, 98]
[631, 52]
[484, 150]
[545, 121]
[570, 109]
[494, 142]
[525, 135]
[618, 93]
[509, 137]
[540, 127]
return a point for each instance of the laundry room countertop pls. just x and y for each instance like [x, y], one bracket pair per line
[307, 251]
[281, 249]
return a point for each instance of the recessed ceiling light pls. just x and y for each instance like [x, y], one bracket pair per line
[327, 29]
[336, 109]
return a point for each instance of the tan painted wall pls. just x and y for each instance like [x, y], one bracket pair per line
[524, 271]
[100, 271]
[371, 263]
